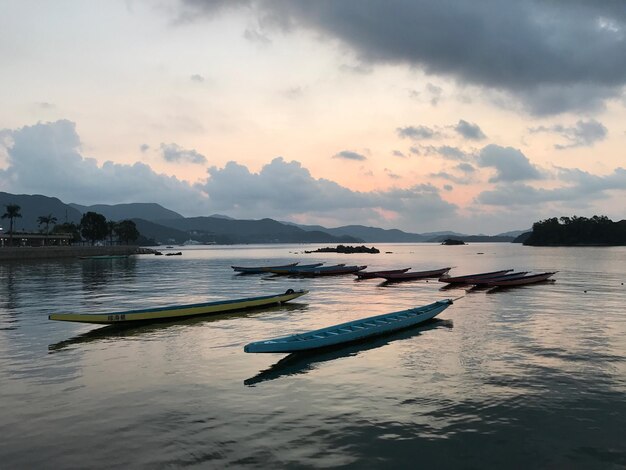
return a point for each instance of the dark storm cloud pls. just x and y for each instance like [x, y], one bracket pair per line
[554, 55]
[469, 130]
[349, 155]
[583, 134]
[175, 153]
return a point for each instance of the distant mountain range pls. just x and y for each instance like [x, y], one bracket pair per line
[165, 226]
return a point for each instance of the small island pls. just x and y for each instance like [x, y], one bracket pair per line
[577, 231]
[452, 241]
[346, 249]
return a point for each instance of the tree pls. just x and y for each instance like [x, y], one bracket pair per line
[46, 220]
[93, 226]
[111, 228]
[127, 231]
[13, 212]
[70, 228]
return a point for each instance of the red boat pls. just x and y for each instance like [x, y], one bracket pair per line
[466, 279]
[520, 281]
[409, 276]
[373, 274]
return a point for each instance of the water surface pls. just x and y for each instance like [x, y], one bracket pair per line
[515, 378]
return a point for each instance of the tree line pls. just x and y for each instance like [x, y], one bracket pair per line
[92, 227]
[597, 230]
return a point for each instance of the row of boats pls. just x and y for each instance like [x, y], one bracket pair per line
[335, 335]
[501, 278]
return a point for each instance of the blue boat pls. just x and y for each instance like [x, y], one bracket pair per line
[351, 331]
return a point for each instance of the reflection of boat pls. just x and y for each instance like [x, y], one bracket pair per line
[178, 311]
[303, 362]
[521, 280]
[127, 330]
[374, 274]
[410, 275]
[260, 269]
[351, 331]
[468, 278]
[105, 257]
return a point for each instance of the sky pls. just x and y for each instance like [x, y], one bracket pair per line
[478, 116]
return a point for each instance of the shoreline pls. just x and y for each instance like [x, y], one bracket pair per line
[28, 253]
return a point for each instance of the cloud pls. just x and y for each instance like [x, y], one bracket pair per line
[175, 153]
[510, 164]
[348, 155]
[282, 188]
[417, 133]
[46, 159]
[398, 153]
[465, 168]
[392, 174]
[583, 134]
[553, 56]
[258, 37]
[583, 187]
[469, 131]
[446, 151]
[197, 78]
[144, 148]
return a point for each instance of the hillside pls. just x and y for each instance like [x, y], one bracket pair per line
[117, 212]
[226, 231]
[34, 206]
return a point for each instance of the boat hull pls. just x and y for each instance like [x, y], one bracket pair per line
[375, 274]
[521, 281]
[178, 311]
[471, 277]
[260, 269]
[409, 276]
[356, 330]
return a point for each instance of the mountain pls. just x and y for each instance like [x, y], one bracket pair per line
[138, 210]
[227, 231]
[367, 234]
[33, 207]
[160, 233]
[514, 233]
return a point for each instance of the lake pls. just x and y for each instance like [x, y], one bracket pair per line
[527, 377]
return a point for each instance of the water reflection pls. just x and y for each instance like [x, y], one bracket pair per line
[123, 331]
[303, 362]
[96, 273]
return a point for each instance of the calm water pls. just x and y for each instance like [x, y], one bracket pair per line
[531, 377]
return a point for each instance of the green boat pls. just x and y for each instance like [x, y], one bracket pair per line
[178, 311]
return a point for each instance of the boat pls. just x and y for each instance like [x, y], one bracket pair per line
[178, 253]
[178, 311]
[260, 269]
[105, 257]
[466, 279]
[374, 274]
[292, 269]
[504, 277]
[351, 331]
[410, 275]
[522, 280]
[327, 271]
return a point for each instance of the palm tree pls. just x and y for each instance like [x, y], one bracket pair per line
[47, 220]
[13, 212]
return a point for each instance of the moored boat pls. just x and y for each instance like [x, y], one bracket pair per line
[504, 277]
[410, 275]
[467, 278]
[522, 280]
[375, 274]
[351, 331]
[260, 269]
[328, 271]
[178, 311]
[292, 269]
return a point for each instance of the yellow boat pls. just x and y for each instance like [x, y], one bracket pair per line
[178, 311]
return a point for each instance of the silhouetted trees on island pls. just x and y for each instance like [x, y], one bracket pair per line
[597, 230]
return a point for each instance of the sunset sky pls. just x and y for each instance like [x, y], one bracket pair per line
[477, 116]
